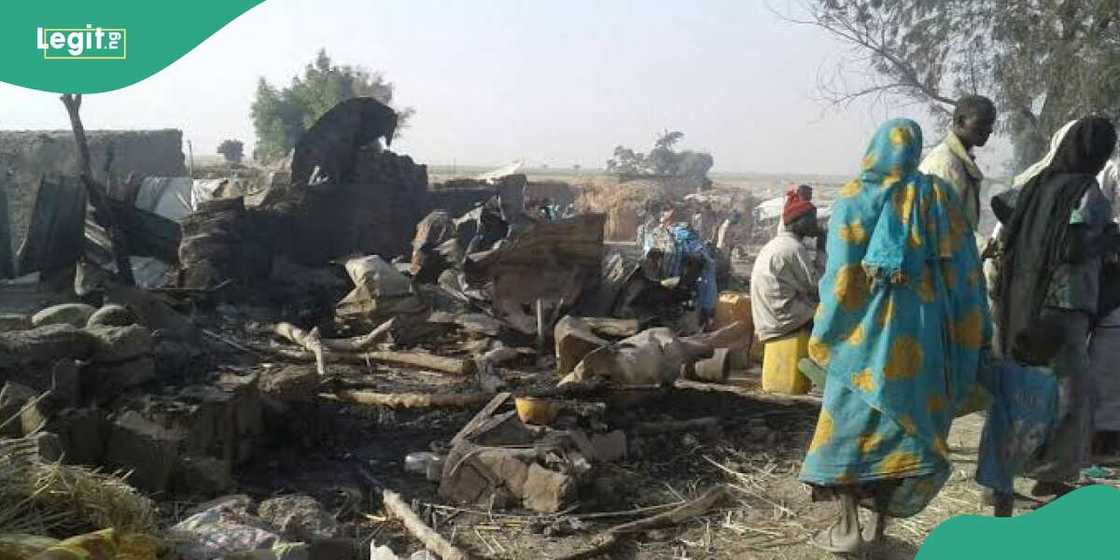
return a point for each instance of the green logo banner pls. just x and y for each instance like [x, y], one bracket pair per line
[73, 46]
[1081, 524]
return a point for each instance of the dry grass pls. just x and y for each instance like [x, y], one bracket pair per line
[775, 516]
[61, 500]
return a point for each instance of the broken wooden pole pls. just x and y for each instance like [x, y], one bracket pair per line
[424, 360]
[73, 103]
[432, 540]
[103, 212]
[360, 343]
[604, 541]
[677, 515]
[346, 350]
[483, 415]
[410, 400]
[309, 341]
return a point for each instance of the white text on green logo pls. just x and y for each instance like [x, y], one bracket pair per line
[89, 43]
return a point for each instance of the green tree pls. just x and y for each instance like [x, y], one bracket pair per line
[232, 150]
[627, 162]
[663, 159]
[282, 114]
[1043, 62]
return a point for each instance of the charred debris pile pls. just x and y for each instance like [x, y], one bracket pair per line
[349, 287]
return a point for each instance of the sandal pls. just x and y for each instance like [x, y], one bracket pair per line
[825, 540]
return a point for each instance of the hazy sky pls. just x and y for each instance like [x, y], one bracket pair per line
[559, 82]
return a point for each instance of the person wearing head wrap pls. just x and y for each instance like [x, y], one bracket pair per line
[900, 331]
[992, 252]
[1109, 180]
[1039, 166]
[802, 192]
[783, 279]
[1054, 235]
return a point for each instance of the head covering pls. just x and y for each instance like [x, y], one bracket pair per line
[1109, 179]
[1037, 167]
[1086, 147]
[1035, 233]
[902, 319]
[795, 207]
[891, 163]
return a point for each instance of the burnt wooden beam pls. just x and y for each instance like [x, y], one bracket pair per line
[103, 212]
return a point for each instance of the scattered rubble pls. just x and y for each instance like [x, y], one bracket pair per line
[331, 302]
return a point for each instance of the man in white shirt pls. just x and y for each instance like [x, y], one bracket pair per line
[784, 279]
[952, 159]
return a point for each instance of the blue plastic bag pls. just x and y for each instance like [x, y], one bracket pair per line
[1021, 418]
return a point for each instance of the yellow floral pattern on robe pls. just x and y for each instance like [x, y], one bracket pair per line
[853, 233]
[899, 332]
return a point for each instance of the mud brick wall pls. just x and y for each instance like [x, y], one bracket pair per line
[27, 155]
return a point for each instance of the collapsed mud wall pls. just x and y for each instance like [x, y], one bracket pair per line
[27, 155]
[673, 185]
[375, 214]
[624, 205]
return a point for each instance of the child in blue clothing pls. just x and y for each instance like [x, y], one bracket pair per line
[1023, 411]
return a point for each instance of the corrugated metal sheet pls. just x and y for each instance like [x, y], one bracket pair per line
[54, 237]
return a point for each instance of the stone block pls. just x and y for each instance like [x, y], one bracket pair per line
[119, 344]
[106, 381]
[65, 376]
[548, 491]
[43, 345]
[149, 450]
[82, 432]
[507, 468]
[574, 340]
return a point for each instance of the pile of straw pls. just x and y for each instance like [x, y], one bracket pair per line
[58, 500]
